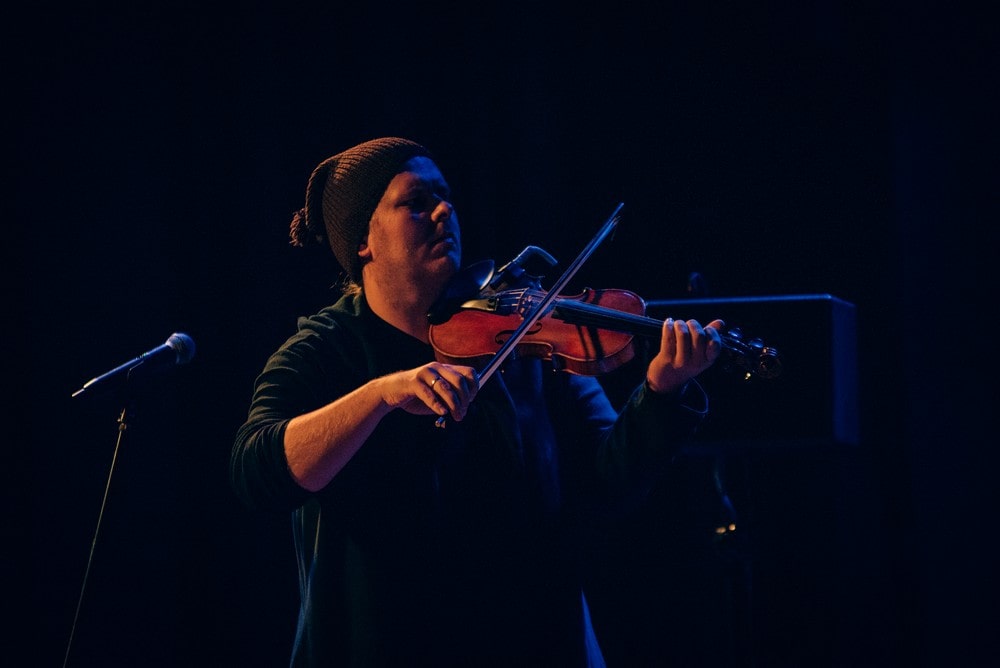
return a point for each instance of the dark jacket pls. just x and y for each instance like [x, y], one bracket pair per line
[454, 546]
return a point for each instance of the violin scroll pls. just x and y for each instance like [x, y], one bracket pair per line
[752, 357]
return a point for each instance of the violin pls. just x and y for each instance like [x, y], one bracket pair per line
[589, 334]
[490, 315]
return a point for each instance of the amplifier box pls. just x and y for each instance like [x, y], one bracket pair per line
[814, 398]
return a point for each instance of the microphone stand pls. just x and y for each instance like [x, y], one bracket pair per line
[122, 427]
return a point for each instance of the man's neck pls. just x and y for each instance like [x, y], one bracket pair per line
[405, 309]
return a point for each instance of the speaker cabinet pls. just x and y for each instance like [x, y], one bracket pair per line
[814, 399]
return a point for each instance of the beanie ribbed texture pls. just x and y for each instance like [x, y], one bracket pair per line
[343, 192]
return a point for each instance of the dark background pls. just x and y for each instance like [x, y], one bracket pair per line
[777, 148]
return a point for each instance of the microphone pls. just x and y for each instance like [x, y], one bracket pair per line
[178, 349]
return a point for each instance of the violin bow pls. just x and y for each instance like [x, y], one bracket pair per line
[539, 309]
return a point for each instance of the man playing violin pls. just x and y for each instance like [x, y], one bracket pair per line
[428, 546]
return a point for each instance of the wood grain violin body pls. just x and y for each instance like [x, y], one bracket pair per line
[476, 331]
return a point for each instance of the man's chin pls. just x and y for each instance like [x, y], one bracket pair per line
[453, 259]
[445, 266]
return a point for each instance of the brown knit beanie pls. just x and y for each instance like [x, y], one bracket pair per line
[343, 192]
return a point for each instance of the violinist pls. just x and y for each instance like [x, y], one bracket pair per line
[423, 546]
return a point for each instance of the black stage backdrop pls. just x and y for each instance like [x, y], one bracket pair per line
[777, 148]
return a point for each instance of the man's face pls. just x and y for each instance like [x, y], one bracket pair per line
[414, 233]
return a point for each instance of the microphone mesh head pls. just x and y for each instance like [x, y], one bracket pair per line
[183, 345]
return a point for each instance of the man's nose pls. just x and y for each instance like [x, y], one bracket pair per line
[443, 211]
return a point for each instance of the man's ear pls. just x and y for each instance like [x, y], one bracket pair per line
[363, 251]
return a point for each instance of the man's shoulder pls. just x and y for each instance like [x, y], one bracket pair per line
[346, 312]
